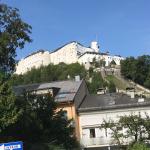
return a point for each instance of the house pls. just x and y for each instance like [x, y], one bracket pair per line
[68, 94]
[97, 108]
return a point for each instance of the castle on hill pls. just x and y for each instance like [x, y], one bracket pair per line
[69, 53]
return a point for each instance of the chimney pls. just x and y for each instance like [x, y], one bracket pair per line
[101, 91]
[77, 78]
[140, 100]
[131, 92]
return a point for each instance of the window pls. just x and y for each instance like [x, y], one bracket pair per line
[92, 133]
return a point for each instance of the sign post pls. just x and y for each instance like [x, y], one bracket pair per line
[12, 146]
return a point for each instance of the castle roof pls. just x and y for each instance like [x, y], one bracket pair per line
[36, 52]
[96, 53]
[66, 45]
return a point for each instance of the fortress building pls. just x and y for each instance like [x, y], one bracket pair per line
[69, 53]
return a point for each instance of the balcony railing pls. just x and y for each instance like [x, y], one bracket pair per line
[100, 141]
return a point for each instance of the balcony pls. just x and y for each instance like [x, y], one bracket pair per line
[101, 141]
[91, 142]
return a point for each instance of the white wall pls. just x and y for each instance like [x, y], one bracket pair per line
[95, 119]
[36, 60]
[88, 57]
[68, 54]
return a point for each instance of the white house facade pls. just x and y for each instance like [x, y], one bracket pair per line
[69, 53]
[95, 109]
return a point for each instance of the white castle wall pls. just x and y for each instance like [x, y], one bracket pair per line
[69, 53]
[108, 59]
[33, 61]
[87, 58]
[66, 54]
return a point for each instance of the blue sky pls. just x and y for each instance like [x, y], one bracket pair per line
[120, 26]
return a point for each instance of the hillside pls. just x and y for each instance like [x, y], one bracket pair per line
[60, 72]
[121, 84]
[133, 73]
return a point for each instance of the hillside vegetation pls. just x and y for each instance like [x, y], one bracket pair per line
[50, 73]
[60, 72]
[118, 83]
[137, 69]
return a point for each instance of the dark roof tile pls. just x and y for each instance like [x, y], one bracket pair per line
[110, 101]
[67, 88]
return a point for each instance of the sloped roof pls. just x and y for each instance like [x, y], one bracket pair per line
[110, 101]
[36, 52]
[65, 45]
[67, 89]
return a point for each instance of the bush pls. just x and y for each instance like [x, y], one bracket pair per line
[139, 146]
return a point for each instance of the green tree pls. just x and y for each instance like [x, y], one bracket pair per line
[13, 34]
[137, 69]
[102, 63]
[111, 87]
[96, 83]
[113, 126]
[128, 68]
[90, 71]
[50, 73]
[137, 128]
[39, 123]
[95, 63]
[139, 146]
[9, 113]
[76, 69]
[147, 81]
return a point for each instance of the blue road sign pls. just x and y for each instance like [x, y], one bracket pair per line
[12, 146]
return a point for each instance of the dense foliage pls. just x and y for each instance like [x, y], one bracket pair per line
[50, 73]
[9, 112]
[95, 81]
[139, 146]
[61, 72]
[111, 87]
[137, 69]
[136, 129]
[40, 123]
[13, 34]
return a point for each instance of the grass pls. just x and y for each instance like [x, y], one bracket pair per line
[118, 83]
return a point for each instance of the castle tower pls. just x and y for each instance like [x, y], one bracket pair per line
[94, 46]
